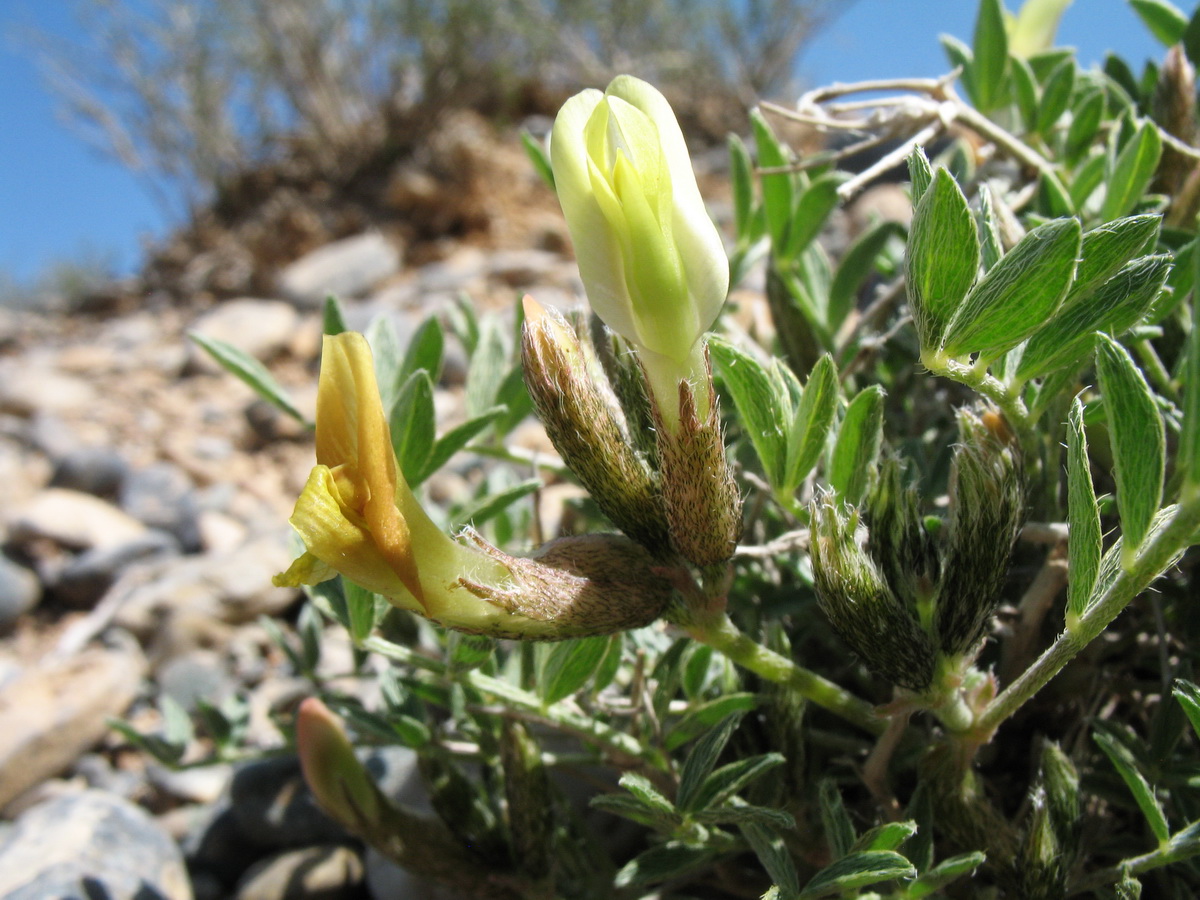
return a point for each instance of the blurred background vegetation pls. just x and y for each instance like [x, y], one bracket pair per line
[194, 94]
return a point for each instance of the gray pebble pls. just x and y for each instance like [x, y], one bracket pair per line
[83, 581]
[90, 844]
[195, 675]
[93, 470]
[162, 496]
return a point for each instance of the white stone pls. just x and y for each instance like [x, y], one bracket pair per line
[345, 268]
[54, 712]
[259, 328]
[73, 519]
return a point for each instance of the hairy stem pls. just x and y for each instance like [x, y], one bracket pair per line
[991, 387]
[718, 632]
[1173, 850]
[1151, 561]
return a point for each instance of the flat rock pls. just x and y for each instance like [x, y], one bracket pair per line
[90, 844]
[74, 520]
[330, 872]
[260, 328]
[347, 268]
[231, 586]
[54, 712]
[26, 390]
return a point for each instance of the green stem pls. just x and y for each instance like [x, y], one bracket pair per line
[1155, 371]
[1172, 851]
[622, 747]
[977, 378]
[1151, 561]
[721, 634]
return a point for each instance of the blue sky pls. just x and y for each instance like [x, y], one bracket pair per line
[60, 199]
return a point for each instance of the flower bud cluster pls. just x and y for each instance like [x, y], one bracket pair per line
[656, 272]
[903, 595]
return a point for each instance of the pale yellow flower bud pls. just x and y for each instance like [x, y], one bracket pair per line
[651, 260]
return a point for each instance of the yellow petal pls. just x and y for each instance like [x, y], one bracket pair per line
[341, 539]
[352, 431]
[305, 569]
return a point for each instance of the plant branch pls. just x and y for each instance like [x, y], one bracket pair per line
[1152, 560]
[1181, 846]
[978, 379]
[721, 634]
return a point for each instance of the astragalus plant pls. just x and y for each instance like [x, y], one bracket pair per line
[890, 599]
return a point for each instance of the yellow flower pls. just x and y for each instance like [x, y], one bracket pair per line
[651, 260]
[357, 516]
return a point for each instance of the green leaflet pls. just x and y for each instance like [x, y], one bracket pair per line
[1132, 171]
[569, 665]
[1085, 541]
[250, 371]
[1138, 441]
[411, 422]
[1115, 307]
[1056, 96]
[1142, 792]
[858, 870]
[1163, 19]
[991, 56]
[757, 402]
[1018, 294]
[857, 447]
[814, 416]
[942, 259]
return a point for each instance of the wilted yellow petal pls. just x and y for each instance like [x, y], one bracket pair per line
[305, 569]
[340, 538]
[352, 432]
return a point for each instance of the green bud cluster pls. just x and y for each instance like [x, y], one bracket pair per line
[861, 604]
[669, 488]
[903, 594]
[588, 426]
[1052, 831]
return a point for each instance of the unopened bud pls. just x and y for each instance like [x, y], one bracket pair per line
[703, 505]
[583, 421]
[1175, 111]
[987, 488]
[1039, 866]
[859, 603]
[900, 543]
[1128, 888]
[1052, 832]
[1061, 781]
[334, 774]
[580, 586]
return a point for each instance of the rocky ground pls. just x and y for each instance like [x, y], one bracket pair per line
[144, 505]
[144, 511]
